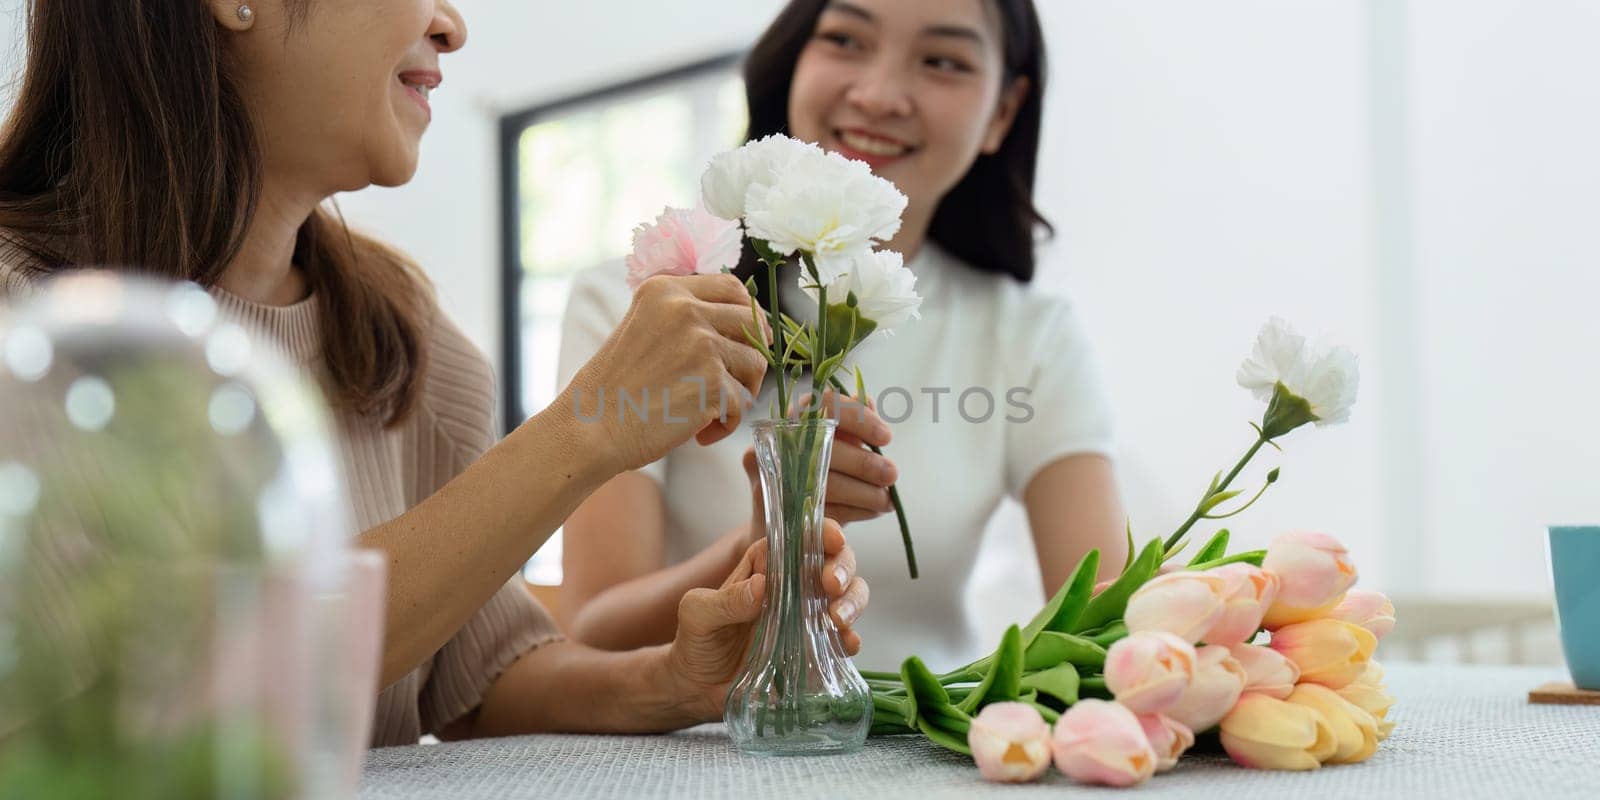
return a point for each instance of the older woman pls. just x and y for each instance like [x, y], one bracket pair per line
[198, 140]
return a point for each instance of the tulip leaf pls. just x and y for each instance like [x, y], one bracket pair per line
[1127, 560]
[1052, 648]
[1063, 610]
[1050, 715]
[947, 740]
[924, 693]
[1248, 557]
[1108, 635]
[1109, 604]
[1059, 681]
[1004, 678]
[1214, 549]
[949, 718]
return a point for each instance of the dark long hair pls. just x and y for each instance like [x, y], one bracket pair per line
[130, 144]
[988, 220]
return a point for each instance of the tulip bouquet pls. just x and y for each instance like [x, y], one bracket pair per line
[1113, 682]
[828, 214]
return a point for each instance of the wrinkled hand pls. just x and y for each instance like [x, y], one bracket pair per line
[681, 350]
[858, 479]
[715, 626]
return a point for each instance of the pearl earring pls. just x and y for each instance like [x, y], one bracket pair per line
[246, 14]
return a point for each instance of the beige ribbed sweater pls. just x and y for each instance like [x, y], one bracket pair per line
[390, 470]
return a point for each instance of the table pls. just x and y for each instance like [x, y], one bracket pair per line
[1461, 732]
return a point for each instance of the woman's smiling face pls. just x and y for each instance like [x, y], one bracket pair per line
[915, 88]
[339, 88]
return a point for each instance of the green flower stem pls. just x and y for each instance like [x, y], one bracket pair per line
[1199, 510]
[894, 497]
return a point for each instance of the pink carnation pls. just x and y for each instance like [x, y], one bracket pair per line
[683, 242]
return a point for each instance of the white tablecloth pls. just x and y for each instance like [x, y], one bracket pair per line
[1461, 732]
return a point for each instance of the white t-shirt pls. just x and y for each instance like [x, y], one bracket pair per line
[992, 384]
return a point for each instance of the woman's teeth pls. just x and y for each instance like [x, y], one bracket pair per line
[419, 88]
[872, 146]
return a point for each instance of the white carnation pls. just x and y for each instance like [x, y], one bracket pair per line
[885, 290]
[828, 206]
[725, 186]
[1325, 377]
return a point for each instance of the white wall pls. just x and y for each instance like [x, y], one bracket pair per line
[1506, 130]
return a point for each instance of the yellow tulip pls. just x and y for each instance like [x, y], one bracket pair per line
[1355, 729]
[1331, 652]
[1368, 694]
[1267, 733]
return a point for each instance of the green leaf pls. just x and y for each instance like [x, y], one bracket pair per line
[1109, 604]
[1059, 681]
[1063, 610]
[924, 692]
[1128, 558]
[1050, 715]
[861, 385]
[1248, 557]
[1272, 475]
[1052, 648]
[1218, 499]
[1176, 549]
[1214, 549]
[1108, 635]
[948, 740]
[828, 367]
[768, 256]
[1004, 678]
[1216, 480]
[949, 718]
[844, 317]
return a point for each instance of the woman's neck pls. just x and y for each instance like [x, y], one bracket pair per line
[264, 271]
[913, 234]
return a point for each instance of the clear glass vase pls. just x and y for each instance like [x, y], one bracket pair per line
[798, 693]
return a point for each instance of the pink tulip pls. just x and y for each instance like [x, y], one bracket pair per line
[1266, 670]
[1218, 682]
[1186, 604]
[1314, 571]
[1101, 742]
[683, 242]
[1010, 742]
[1148, 671]
[1249, 592]
[1331, 652]
[1370, 610]
[1168, 737]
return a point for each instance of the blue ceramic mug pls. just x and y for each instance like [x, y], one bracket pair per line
[1575, 566]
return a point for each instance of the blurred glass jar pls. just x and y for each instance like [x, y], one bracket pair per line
[180, 615]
